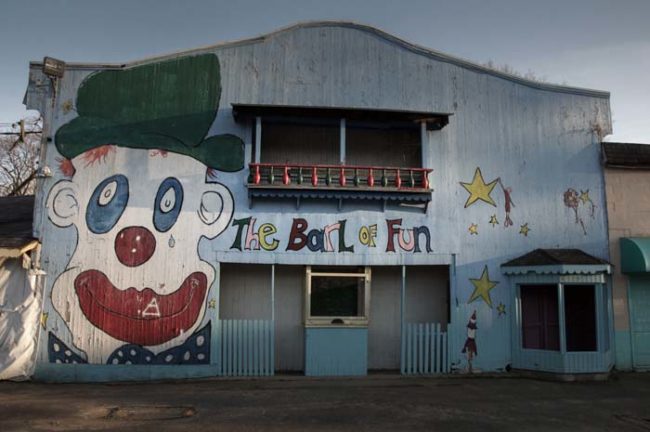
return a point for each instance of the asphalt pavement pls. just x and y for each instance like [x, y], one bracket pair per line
[374, 403]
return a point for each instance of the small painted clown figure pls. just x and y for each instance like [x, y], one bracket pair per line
[470, 343]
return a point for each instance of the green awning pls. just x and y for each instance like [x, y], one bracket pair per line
[635, 255]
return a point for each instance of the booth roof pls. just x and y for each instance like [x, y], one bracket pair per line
[554, 257]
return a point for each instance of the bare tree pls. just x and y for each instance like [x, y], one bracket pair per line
[19, 150]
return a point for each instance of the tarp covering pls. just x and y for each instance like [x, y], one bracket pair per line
[19, 320]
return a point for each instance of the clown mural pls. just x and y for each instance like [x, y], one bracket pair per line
[141, 193]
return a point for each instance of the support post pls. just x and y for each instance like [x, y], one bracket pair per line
[453, 308]
[215, 318]
[258, 139]
[272, 292]
[402, 310]
[560, 305]
[423, 143]
[272, 353]
[342, 142]
[600, 329]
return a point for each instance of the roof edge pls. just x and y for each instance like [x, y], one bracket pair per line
[418, 49]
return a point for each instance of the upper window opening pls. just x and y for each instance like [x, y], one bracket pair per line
[377, 144]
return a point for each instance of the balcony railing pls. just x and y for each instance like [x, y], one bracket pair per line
[337, 177]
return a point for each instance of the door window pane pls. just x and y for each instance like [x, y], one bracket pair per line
[539, 313]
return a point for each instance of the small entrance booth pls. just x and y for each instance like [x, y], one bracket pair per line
[333, 320]
[562, 319]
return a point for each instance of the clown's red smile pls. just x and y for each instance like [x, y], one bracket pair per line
[140, 317]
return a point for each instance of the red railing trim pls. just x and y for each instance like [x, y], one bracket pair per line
[324, 166]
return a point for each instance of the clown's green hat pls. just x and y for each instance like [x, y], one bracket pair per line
[169, 105]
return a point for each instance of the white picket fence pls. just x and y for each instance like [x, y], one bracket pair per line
[424, 349]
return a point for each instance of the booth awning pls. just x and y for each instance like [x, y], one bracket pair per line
[635, 255]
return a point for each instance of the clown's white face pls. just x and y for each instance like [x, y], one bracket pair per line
[136, 276]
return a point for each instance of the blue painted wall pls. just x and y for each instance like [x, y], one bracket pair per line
[336, 351]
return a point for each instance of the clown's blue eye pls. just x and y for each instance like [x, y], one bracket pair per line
[167, 206]
[107, 204]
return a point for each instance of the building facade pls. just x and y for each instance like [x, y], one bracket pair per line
[627, 176]
[326, 199]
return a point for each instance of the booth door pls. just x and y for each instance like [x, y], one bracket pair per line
[640, 322]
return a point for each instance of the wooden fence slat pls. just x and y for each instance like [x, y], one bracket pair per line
[427, 333]
[270, 336]
[269, 344]
[407, 335]
[439, 336]
[445, 361]
[228, 339]
[245, 347]
[264, 354]
[420, 348]
[259, 336]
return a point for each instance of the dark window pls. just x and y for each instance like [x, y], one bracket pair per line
[580, 317]
[539, 313]
[336, 296]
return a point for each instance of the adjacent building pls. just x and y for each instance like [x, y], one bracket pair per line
[627, 176]
[326, 199]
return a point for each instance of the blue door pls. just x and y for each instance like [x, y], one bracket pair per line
[640, 321]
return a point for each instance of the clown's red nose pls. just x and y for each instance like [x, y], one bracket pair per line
[134, 246]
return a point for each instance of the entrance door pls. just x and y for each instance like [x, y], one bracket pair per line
[640, 321]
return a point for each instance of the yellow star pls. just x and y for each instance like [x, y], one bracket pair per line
[501, 309]
[479, 190]
[43, 320]
[584, 196]
[212, 304]
[482, 287]
[473, 229]
[493, 220]
[524, 229]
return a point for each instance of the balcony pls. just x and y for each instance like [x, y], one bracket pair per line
[364, 154]
[401, 185]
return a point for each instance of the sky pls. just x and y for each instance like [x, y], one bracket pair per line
[599, 44]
